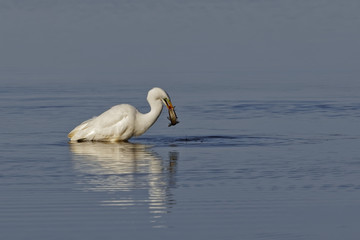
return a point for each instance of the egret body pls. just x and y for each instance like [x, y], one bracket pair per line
[123, 121]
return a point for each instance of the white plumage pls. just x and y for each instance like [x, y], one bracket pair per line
[123, 121]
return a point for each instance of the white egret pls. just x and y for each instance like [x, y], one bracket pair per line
[124, 121]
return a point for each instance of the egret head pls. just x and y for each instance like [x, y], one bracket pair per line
[159, 94]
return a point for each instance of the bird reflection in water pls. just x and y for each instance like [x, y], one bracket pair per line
[126, 168]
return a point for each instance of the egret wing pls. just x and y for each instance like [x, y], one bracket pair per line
[110, 125]
[81, 126]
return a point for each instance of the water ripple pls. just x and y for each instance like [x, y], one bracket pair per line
[235, 140]
[249, 109]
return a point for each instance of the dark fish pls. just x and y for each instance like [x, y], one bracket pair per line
[172, 117]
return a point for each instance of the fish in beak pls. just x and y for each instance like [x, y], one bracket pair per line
[172, 114]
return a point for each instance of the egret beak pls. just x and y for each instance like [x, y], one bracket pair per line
[168, 103]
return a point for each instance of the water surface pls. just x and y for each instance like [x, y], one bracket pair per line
[267, 96]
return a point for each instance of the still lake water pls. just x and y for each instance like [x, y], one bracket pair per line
[256, 168]
[268, 98]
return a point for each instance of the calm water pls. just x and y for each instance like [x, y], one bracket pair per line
[268, 141]
[252, 169]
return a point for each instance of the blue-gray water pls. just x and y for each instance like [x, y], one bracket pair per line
[268, 98]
